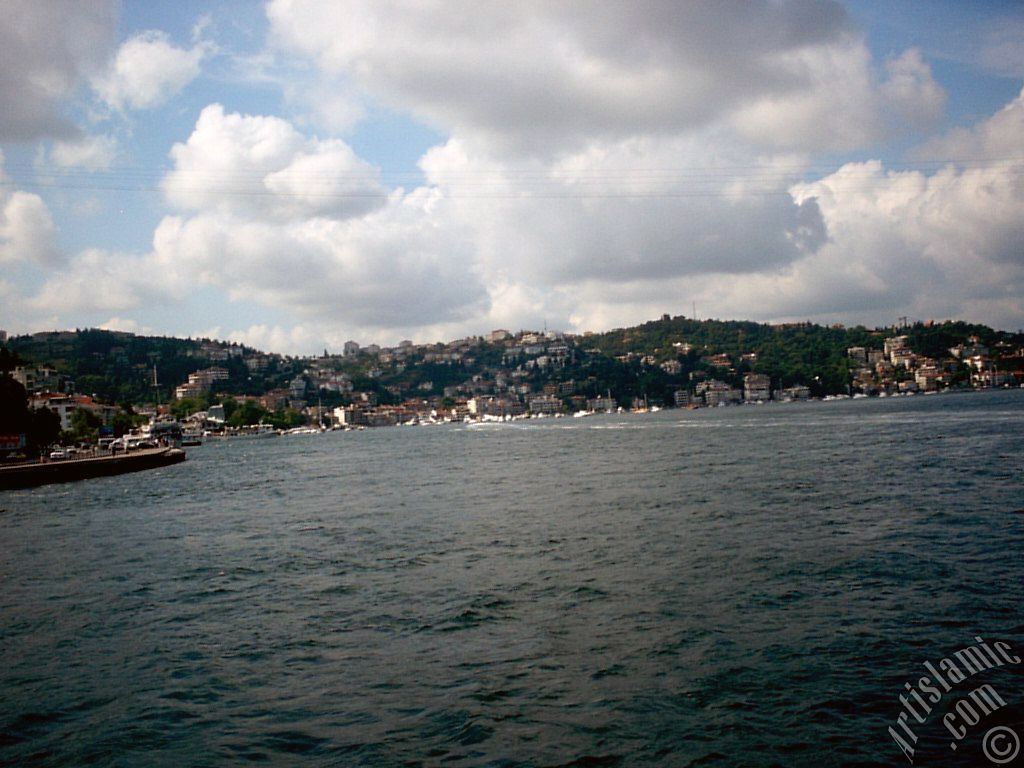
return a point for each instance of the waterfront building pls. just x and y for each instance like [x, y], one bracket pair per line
[66, 405]
[546, 404]
[756, 386]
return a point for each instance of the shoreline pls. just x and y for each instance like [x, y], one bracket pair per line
[34, 474]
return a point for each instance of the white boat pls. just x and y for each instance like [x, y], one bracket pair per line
[191, 437]
[256, 430]
[302, 431]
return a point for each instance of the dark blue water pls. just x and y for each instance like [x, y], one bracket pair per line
[735, 586]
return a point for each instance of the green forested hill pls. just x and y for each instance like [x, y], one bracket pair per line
[118, 367]
[791, 353]
[114, 366]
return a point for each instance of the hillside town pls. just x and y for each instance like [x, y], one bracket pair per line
[501, 376]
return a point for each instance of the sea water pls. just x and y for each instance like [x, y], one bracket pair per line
[731, 586]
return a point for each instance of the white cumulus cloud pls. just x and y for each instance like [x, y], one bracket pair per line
[127, 325]
[393, 268]
[946, 243]
[284, 221]
[597, 169]
[146, 71]
[91, 153]
[103, 281]
[262, 165]
[27, 231]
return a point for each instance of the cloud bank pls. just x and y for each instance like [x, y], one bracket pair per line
[46, 51]
[598, 169]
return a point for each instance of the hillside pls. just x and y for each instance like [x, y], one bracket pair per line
[652, 360]
[118, 367]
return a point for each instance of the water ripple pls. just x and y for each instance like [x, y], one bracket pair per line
[725, 587]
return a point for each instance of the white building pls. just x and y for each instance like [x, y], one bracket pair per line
[756, 386]
[297, 388]
[66, 405]
[256, 364]
[718, 392]
[546, 404]
[796, 392]
[494, 406]
[893, 343]
[37, 379]
[672, 367]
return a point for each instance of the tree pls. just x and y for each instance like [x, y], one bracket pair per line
[125, 421]
[230, 406]
[247, 412]
[40, 426]
[8, 361]
[85, 425]
[43, 429]
[13, 407]
[287, 419]
[189, 405]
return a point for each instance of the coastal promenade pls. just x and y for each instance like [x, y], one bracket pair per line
[67, 470]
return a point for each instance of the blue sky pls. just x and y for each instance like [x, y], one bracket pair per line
[293, 174]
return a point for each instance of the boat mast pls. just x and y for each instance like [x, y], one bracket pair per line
[156, 390]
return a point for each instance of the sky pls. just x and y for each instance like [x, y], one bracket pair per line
[294, 174]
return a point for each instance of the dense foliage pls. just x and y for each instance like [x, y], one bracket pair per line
[628, 363]
[795, 353]
[40, 426]
[118, 367]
